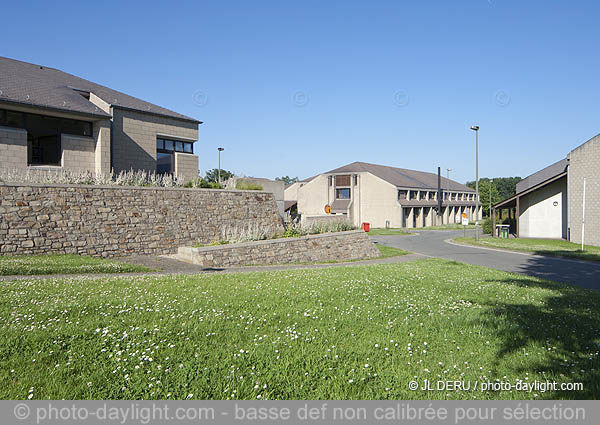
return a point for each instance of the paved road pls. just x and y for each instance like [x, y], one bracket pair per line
[432, 243]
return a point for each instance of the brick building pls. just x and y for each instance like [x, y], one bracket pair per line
[52, 120]
[549, 203]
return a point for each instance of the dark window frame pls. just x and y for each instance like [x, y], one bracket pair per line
[62, 125]
[337, 189]
[174, 143]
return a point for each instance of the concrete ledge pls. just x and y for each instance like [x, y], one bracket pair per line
[350, 245]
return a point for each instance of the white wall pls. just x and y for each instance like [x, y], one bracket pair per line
[543, 212]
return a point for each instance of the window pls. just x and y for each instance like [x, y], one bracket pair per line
[342, 180]
[422, 195]
[432, 196]
[342, 193]
[165, 153]
[44, 134]
[412, 194]
[401, 194]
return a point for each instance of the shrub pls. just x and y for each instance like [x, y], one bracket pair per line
[244, 185]
[199, 182]
[487, 225]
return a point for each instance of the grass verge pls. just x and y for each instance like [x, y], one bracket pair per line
[387, 232]
[62, 264]
[553, 247]
[389, 251]
[449, 227]
[339, 333]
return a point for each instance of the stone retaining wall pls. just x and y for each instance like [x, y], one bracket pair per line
[118, 220]
[351, 245]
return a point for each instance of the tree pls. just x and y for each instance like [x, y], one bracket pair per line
[506, 187]
[213, 175]
[287, 179]
[484, 194]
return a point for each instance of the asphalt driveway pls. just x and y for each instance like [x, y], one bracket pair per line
[432, 243]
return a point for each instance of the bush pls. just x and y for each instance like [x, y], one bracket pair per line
[487, 226]
[243, 185]
[199, 182]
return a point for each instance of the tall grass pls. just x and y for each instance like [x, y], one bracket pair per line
[123, 178]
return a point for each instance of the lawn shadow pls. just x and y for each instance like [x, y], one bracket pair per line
[566, 326]
[575, 255]
[585, 274]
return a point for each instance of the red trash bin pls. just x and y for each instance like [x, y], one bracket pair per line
[366, 227]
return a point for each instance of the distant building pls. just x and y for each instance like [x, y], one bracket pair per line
[52, 120]
[382, 196]
[275, 187]
[549, 203]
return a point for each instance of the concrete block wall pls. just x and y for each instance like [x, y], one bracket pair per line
[13, 148]
[134, 137]
[186, 165]
[78, 153]
[101, 136]
[116, 220]
[352, 245]
[584, 162]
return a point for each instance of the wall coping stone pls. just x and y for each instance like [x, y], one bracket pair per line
[268, 241]
[103, 187]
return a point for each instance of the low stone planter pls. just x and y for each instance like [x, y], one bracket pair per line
[339, 246]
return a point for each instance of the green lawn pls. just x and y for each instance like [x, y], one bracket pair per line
[62, 264]
[389, 251]
[339, 333]
[558, 248]
[449, 227]
[387, 232]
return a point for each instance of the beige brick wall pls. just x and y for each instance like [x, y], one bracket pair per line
[585, 163]
[78, 153]
[101, 136]
[186, 165]
[13, 148]
[134, 137]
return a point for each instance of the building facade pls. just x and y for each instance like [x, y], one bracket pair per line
[550, 202]
[383, 196]
[51, 120]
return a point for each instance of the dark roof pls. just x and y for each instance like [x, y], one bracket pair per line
[543, 175]
[29, 84]
[402, 177]
[340, 205]
[288, 204]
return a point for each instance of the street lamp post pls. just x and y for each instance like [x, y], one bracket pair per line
[490, 210]
[220, 150]
[475, 128]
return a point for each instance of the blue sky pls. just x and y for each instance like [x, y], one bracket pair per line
[298, 88]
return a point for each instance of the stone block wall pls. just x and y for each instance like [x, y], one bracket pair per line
[78, 153]
[351, 245]
[13, 148]
[584, 162]
[117, 221]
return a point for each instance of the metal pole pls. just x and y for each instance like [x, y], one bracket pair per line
[490, 210]
[583, 218]
[219, 166]
[477, 182]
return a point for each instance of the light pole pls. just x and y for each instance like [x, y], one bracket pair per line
[490, 210]
[475, 128]
[220, 150]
